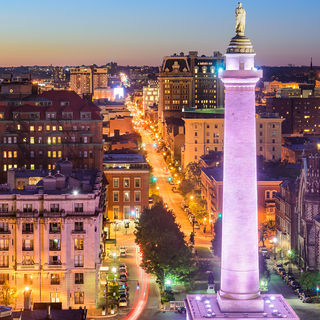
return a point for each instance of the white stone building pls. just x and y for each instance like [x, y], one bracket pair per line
[50, 235]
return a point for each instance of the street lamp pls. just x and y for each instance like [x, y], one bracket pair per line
[191, 197]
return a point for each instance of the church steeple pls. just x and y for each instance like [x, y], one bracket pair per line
[311, 76]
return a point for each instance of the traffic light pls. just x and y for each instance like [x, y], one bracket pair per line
[170, 179]
[154, 179]
[220, 215]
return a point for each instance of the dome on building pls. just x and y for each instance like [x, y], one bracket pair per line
[240, 44]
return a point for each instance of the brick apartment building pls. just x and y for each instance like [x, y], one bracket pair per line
[37, 130]
[128, 185]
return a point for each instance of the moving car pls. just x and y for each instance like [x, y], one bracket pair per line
[123, 251]
[123, 302]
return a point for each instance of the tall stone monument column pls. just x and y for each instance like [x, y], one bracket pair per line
[239, 296]
[239, 261]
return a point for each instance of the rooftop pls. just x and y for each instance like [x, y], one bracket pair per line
[111, 158]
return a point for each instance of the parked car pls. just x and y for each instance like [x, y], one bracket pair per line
[122, 266]
[123, 277]
[307, 296]
[281, 270]
[277, 266]
[123, 302]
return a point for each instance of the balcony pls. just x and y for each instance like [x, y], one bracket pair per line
[4, 248]
[54, 248]
[5, 231]
[54, 230]
[4, 265]
[27, 231]
[27, 248]
[78, 231]
[79, 265]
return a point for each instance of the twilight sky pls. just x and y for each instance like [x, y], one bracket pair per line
[141, 32]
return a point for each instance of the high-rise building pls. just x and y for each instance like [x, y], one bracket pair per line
[50, 244]
[59, 75]
[150, 95]
[85, 80]
[189, 81]
[36, 132]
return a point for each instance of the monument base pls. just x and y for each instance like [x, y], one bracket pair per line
[232, 305]
[204, 306]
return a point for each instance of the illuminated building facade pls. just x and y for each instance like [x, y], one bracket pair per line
[128, 185]
[50, 229]
[150, 95]
[85, 80]
[301, 115]
[36, 132]
[204, 132]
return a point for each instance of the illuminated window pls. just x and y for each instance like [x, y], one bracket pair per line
[24, 139]
[54, 140]
[54, 128]
[32, 166]
[32, 140]
[9, 154]
[18, 127]
[49, 140]
[49, 166]
[49, 154]
[59, 139]
[59, 154]
[47, 127]
[54, 154]
[31, 128]
[4, 167]
[39, 128]
[60, 128]
[15, 154]
[4, 154]
[126, 196]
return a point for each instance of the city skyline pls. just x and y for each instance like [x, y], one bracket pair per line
[141, 32]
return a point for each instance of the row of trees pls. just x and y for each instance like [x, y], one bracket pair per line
[165, 252]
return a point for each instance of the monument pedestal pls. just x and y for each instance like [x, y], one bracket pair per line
[205, 306]
[240, 305]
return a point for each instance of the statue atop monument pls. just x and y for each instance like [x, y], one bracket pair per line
[240, 19]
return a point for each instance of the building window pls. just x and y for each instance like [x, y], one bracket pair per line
[196, 141]
[126, 182]
[39, 128]
[126, 211]
[31, 128]
[261, 126]
[4, 278]
[261, 149]
[54, 227]
[54, 260]
[54, 244]
[78, 244]
[4, 227]
[79, 297]
[115, 213]
[54, 297]
[27, 228]
[137, 196]
[126, 196]
[260, 133]
[78, 207]
[115, 196]
[54, 207]
[4, 261]
[137, 182]
[4, 207]
[273, 141]
[27, 245]
[31, 140]
[116, 182]
[78, 260]
[267, 195]
[78, 278]
[4, 244]
[54, 279]
[78, 226]
[196, 134]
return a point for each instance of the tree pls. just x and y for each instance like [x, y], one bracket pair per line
[267, 230]
[164, 249]
[309, 280]
[197, 207]
[193, 173]
[186, 186]
[7, 294]
[217, 240]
